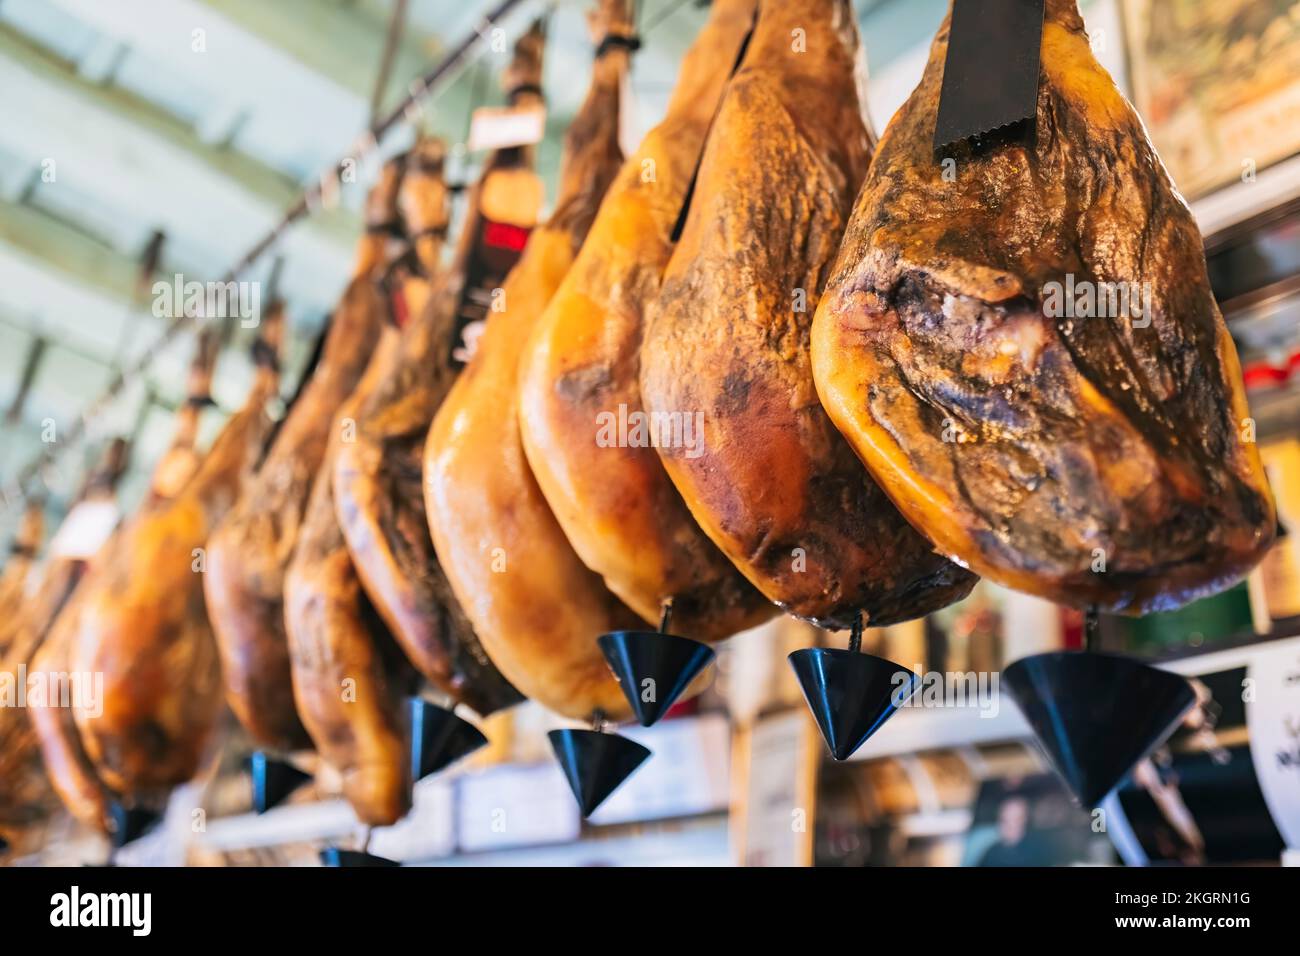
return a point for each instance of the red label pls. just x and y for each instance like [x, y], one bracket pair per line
[500, 235]
[400, 312]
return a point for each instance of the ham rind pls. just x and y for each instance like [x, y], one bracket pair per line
[1090, 454]
[26, 793]
[580, 400]
[249, 553]
[349, 682]
[771, 482]
[55, 623]
[143, 623]
[534, 605]
[378, 485]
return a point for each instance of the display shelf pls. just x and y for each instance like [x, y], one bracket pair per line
[321, 820]
[1227, 207]
[916, 729]
[700, 841]
[1235, 646]
[510, 808]
[1221, 658]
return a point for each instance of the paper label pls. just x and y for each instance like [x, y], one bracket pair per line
[84, 530]
[500, 127]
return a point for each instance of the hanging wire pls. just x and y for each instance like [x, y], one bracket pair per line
[396, 27]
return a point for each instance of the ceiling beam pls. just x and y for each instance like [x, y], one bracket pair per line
[341, 40]
[159, 172]
[67, 251]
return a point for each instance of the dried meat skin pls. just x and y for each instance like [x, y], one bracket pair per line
[378, 477]
[349, 683]
[775, 486]
[144, 623]
[52, 620]
[534, 605]
[379, 501]
[70, 770]
[249, 553]
[18, 569]
[1090, 455]
[580, 374]
[40, 753]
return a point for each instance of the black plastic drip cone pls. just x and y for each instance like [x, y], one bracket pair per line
[273, 780]
[1096, 715]
[439, 738]
[130, 823]
[653, 668]
[334, 856]
[850, 694]
[595, 763]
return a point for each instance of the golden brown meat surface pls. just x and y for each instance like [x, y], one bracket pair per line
[579, 376]
[250, 552]
[18, 569]
[51, 619]
[59, 573]
[379, 501]
[26, 795]
[348, 681]
[143, 623]
[1090, 455]
[534, 605]
[41, 754]
[378, 486]
[772, 483]
[63, 756]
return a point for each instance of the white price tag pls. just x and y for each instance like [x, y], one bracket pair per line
[84, 530]
[496, 127]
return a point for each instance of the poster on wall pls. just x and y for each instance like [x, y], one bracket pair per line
[1217, 83]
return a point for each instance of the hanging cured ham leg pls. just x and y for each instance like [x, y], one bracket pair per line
[26, 795]
[250, 551]
[579, 377]
[771, 482]
[349, 682]
[377, 478]
[349, 679]
[1090, 457]
[143, 623]
[534, 605]
[71, 772]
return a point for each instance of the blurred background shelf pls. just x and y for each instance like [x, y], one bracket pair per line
[914, 730]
